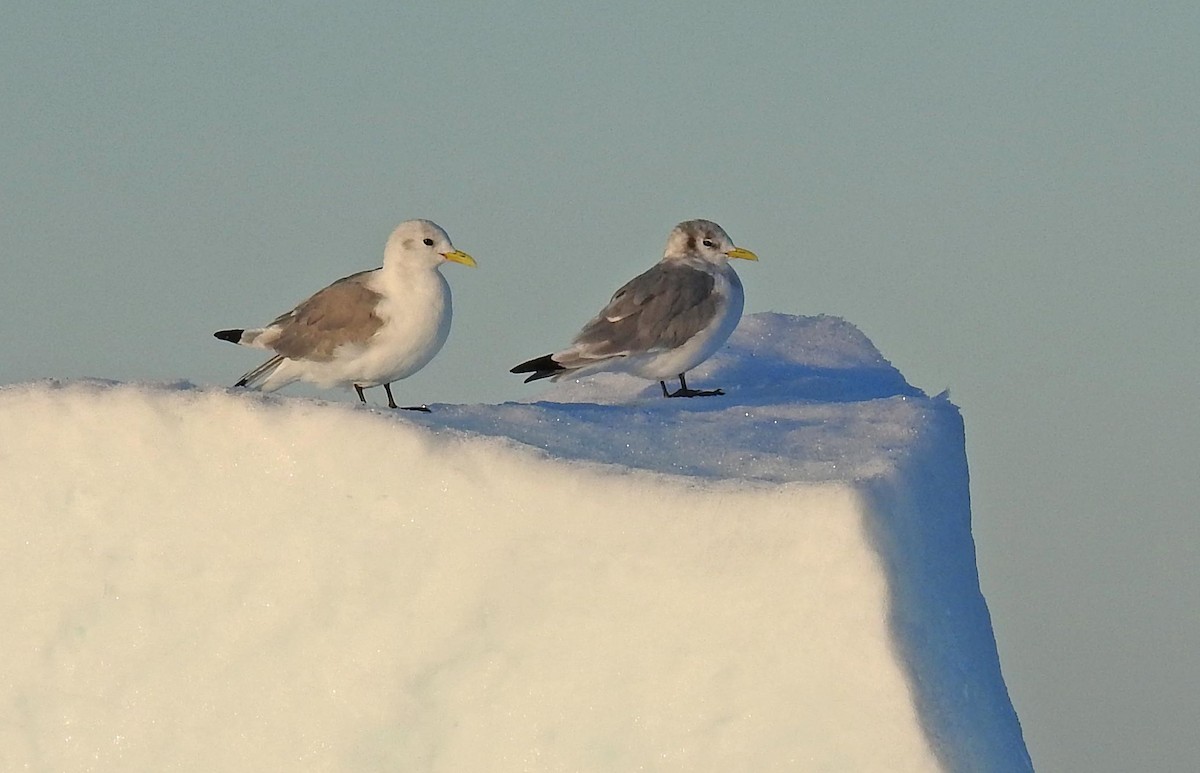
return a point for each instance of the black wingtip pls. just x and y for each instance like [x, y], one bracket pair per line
[540, 367]
[232, 336]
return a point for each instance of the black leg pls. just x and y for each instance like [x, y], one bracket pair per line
[663, 384]
[391, 402]
[683, 390]
[361, 396]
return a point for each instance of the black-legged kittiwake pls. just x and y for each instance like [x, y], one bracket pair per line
[367, 329]
[663, 322]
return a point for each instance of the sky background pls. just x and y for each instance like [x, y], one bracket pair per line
[1004, 198]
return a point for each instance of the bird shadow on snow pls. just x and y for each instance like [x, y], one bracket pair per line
[797, 391]
[770, 359]
[806, 398]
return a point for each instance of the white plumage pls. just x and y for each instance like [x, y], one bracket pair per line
[367, 329]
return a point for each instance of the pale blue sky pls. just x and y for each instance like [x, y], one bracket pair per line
[1004, 198]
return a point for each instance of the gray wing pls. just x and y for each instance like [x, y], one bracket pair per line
[659, 309]
[342, 313]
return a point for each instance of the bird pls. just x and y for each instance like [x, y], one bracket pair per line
[367, 329]
[665, 321]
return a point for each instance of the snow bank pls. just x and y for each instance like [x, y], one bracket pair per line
[780, 579]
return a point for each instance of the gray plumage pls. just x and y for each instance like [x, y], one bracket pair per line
[342, 313]
[666, 320]
[659, 309]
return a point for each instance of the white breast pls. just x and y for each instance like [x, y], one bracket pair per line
[416, 312]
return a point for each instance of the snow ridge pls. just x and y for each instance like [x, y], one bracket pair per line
[779, 579]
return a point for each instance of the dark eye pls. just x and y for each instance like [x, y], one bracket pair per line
[428, 242]
[709, 243]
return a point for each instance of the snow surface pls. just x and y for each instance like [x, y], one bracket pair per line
[783, 578]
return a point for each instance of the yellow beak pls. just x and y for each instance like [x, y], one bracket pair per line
[458, 256]
[738, 252]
